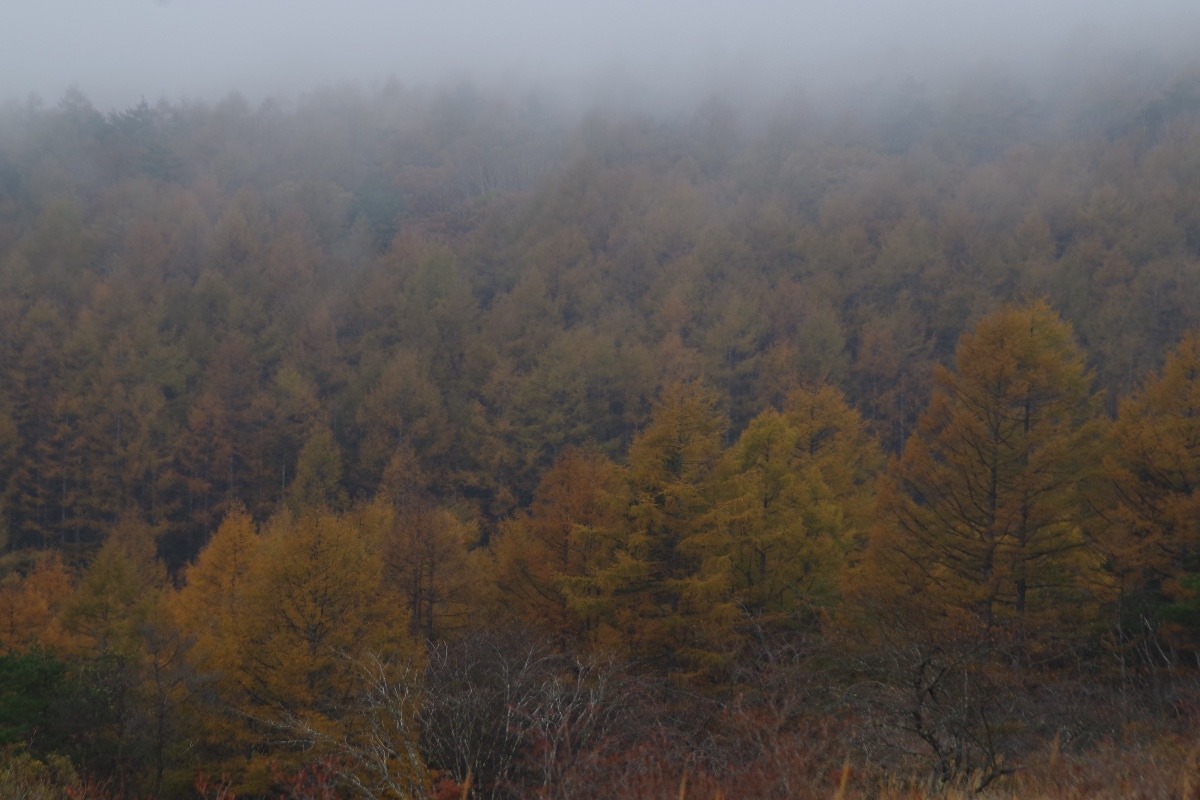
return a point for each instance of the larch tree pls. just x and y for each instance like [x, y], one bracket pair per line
[10, 443]
[209, 609]
[220, 452]
[980, 518]
[318, 480]
[577, 507]
[283, 620]
[426, 550]
[891, 369]
[664, 595]
[129, 654]
[796, 490]
[118, 593]
[33, 379]
[31, 606]
[1151, 539]
[314, 594]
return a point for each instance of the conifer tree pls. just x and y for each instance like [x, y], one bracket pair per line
[560, 541]
[427, 558]
[796, 491]
[981, 517]
[1151, 535]
[31, 606]
[665, 596]
[283, 621]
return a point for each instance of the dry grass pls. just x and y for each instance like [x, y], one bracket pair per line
[1165, 769]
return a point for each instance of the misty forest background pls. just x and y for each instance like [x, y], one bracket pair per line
[402, 439]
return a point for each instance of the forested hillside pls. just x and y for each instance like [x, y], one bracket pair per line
[425, 442]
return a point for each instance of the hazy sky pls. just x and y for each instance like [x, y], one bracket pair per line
[118, 51]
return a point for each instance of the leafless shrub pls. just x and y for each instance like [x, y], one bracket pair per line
[514, 713]
[374, 751]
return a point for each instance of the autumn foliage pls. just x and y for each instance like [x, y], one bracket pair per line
[423, 444]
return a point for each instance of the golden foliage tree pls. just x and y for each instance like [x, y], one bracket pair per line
[797, 489]
[1151, 539]
[664, 595]
[211, 603]
[31, 604]
[579, 504]
[314, 592]
[118, 593]
[283, 619]
[980, 518]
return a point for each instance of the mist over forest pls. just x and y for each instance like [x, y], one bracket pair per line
[540, 400]
[186, 50]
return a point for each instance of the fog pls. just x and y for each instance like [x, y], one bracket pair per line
[119, 51]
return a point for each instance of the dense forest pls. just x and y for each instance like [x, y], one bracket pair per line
[448, 442]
